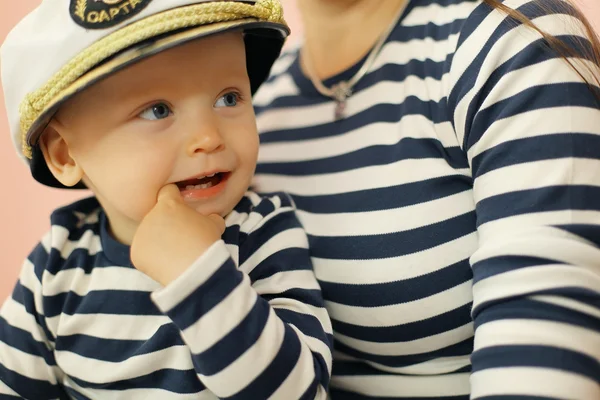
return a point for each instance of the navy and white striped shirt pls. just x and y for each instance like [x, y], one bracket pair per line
[245, 321]
[454, 214]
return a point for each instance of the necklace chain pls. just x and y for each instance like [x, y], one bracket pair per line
[341, 91]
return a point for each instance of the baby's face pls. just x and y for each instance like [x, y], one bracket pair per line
[184, 116]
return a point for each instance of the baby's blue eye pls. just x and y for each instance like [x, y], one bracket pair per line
[228, 100]
[156, 111]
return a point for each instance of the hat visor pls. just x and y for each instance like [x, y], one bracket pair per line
[266, 45]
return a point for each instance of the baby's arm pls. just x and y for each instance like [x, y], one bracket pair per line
[27, 365]
[261, 330]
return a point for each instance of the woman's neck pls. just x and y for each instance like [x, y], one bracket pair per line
[338, 33]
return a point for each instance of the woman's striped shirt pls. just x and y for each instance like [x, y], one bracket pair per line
[454, 214]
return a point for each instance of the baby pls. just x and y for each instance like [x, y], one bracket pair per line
[173, 281]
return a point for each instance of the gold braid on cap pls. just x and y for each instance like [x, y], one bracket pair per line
[182, 17]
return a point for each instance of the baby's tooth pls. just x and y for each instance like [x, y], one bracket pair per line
[210, 176]
[189, 187]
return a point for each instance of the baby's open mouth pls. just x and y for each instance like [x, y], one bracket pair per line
[202, 182]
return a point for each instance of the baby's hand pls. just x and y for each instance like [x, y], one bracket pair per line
[172, 236]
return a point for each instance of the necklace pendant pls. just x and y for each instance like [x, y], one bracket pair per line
[341, 92]
[340, 108]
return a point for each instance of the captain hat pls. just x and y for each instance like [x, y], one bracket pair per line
[64, 46]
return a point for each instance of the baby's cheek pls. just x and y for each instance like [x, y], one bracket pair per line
[142, 199]
[138, 177]
[133, 196]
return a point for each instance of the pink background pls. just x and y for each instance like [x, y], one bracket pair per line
[25, 205]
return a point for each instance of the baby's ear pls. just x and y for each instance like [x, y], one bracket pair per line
[58, 157]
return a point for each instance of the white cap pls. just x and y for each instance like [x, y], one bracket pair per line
[64, 46]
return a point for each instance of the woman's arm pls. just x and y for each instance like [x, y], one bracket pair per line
[531, 130]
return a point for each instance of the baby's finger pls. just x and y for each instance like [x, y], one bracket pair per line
[169, 192]
[218, 221]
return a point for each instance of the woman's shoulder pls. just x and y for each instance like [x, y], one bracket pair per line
[492, 19]
[498, 31]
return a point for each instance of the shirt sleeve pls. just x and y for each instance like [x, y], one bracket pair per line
[530, 128]
[27, 365]
[260, 330]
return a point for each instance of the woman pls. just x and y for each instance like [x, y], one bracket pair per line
[444, 160]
